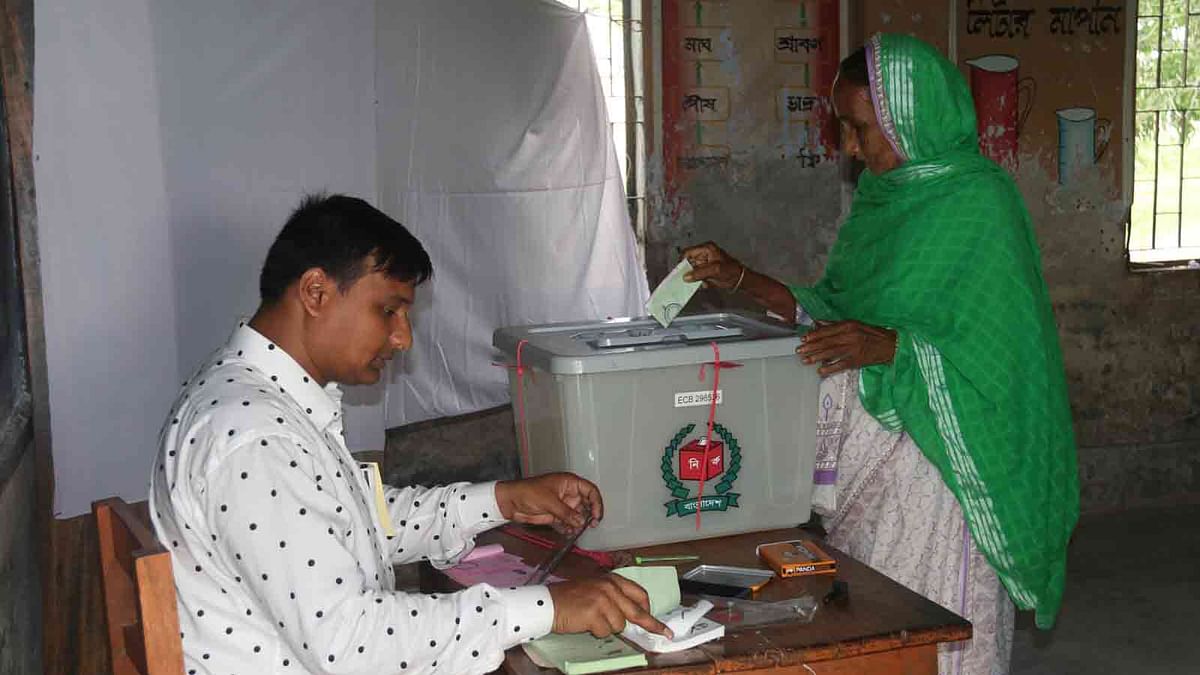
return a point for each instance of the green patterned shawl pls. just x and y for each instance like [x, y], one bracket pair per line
[941, 249]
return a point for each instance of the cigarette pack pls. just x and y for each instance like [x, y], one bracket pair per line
[797, 558]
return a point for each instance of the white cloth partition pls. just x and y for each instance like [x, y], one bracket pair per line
[494, 148]
[173, 137]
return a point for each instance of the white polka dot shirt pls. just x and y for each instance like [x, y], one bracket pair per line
[279, 565]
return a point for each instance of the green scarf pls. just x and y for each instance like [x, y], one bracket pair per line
[941, 249]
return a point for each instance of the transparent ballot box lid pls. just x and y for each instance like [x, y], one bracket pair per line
[636, 344]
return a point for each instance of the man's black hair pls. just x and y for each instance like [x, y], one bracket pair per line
[853, 69]
[342, 236]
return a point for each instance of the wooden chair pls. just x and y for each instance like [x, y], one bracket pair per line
[139, 593]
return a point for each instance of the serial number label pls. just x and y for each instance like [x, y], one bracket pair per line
[688, 399]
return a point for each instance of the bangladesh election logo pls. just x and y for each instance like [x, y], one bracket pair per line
[698, 461]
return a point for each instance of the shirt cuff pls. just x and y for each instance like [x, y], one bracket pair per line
[477, 508]
[528, 612]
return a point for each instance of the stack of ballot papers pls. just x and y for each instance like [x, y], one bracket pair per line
[672, 295]
[581, 653]
[687, 623]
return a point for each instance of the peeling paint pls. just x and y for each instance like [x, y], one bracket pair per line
[1131, 342]
[773, 215]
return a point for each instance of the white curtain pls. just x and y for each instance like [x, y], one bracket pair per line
[494, 148]
[173, 137]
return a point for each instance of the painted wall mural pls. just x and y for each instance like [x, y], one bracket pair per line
[749, 144]
[1003, 101]
[741, 76]
[1082, 140]
[1059, 115]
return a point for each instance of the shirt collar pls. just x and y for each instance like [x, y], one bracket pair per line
[322, 404]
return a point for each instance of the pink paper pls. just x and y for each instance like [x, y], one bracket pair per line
[501, 570]
[483, 552]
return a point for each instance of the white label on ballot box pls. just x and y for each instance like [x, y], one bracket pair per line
[687, 399]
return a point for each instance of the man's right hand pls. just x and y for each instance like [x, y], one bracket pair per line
[601, 606]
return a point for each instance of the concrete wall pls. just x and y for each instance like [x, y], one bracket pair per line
[20, 587]
[775, 217]
[20, 590]
[1131, 345]
[477, 447]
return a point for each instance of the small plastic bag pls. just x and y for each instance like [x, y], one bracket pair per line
[737, 613]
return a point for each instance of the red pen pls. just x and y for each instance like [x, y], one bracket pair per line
[602, 558]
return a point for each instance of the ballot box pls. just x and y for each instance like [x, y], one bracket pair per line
[626, 403]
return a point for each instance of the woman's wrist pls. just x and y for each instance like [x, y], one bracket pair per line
[740, 279]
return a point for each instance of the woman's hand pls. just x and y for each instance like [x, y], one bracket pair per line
[713, 266]
[718, 269]
[844, 345]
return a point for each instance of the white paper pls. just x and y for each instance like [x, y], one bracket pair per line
[687, 623]
[672, 295]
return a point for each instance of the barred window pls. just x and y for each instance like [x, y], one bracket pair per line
[615, 28]
[1164, 224]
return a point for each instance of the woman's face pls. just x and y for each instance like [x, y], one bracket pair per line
[862, 137]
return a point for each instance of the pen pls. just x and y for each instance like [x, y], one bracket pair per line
[602, 558]
[543, 571]
[642, 559]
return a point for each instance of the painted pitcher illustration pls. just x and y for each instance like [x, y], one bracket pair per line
[1082, 140]
[1002, 104]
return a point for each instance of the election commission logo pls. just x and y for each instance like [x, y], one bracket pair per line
[700, 462]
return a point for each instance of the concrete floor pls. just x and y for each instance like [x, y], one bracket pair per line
[1132, 602]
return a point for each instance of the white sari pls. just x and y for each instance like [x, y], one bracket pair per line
[884, 503]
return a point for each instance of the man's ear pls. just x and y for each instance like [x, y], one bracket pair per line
[315, 289]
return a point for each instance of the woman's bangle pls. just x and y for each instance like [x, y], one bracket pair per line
[739, 281]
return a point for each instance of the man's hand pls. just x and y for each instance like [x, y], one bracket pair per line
[844, 345]
[562, 500]
[601, 606]
[713, 266]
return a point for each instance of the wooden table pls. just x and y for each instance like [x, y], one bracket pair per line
[881, 628]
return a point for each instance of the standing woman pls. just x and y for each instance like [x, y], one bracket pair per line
[955, 471]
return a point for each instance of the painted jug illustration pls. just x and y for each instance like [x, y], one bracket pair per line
[1082, 140]
[1002, 104]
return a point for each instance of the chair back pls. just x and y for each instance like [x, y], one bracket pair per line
[139, 593]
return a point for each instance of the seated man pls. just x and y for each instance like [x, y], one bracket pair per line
[279, 560]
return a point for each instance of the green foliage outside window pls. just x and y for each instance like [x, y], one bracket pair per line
[1165, 221]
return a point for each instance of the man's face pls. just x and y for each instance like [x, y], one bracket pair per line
[361, 327]
[862, 137]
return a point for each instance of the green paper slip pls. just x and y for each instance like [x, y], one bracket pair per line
[672, 295]
[580, 653]
[661, 584]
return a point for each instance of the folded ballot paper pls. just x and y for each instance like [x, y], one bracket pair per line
[672, 295]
